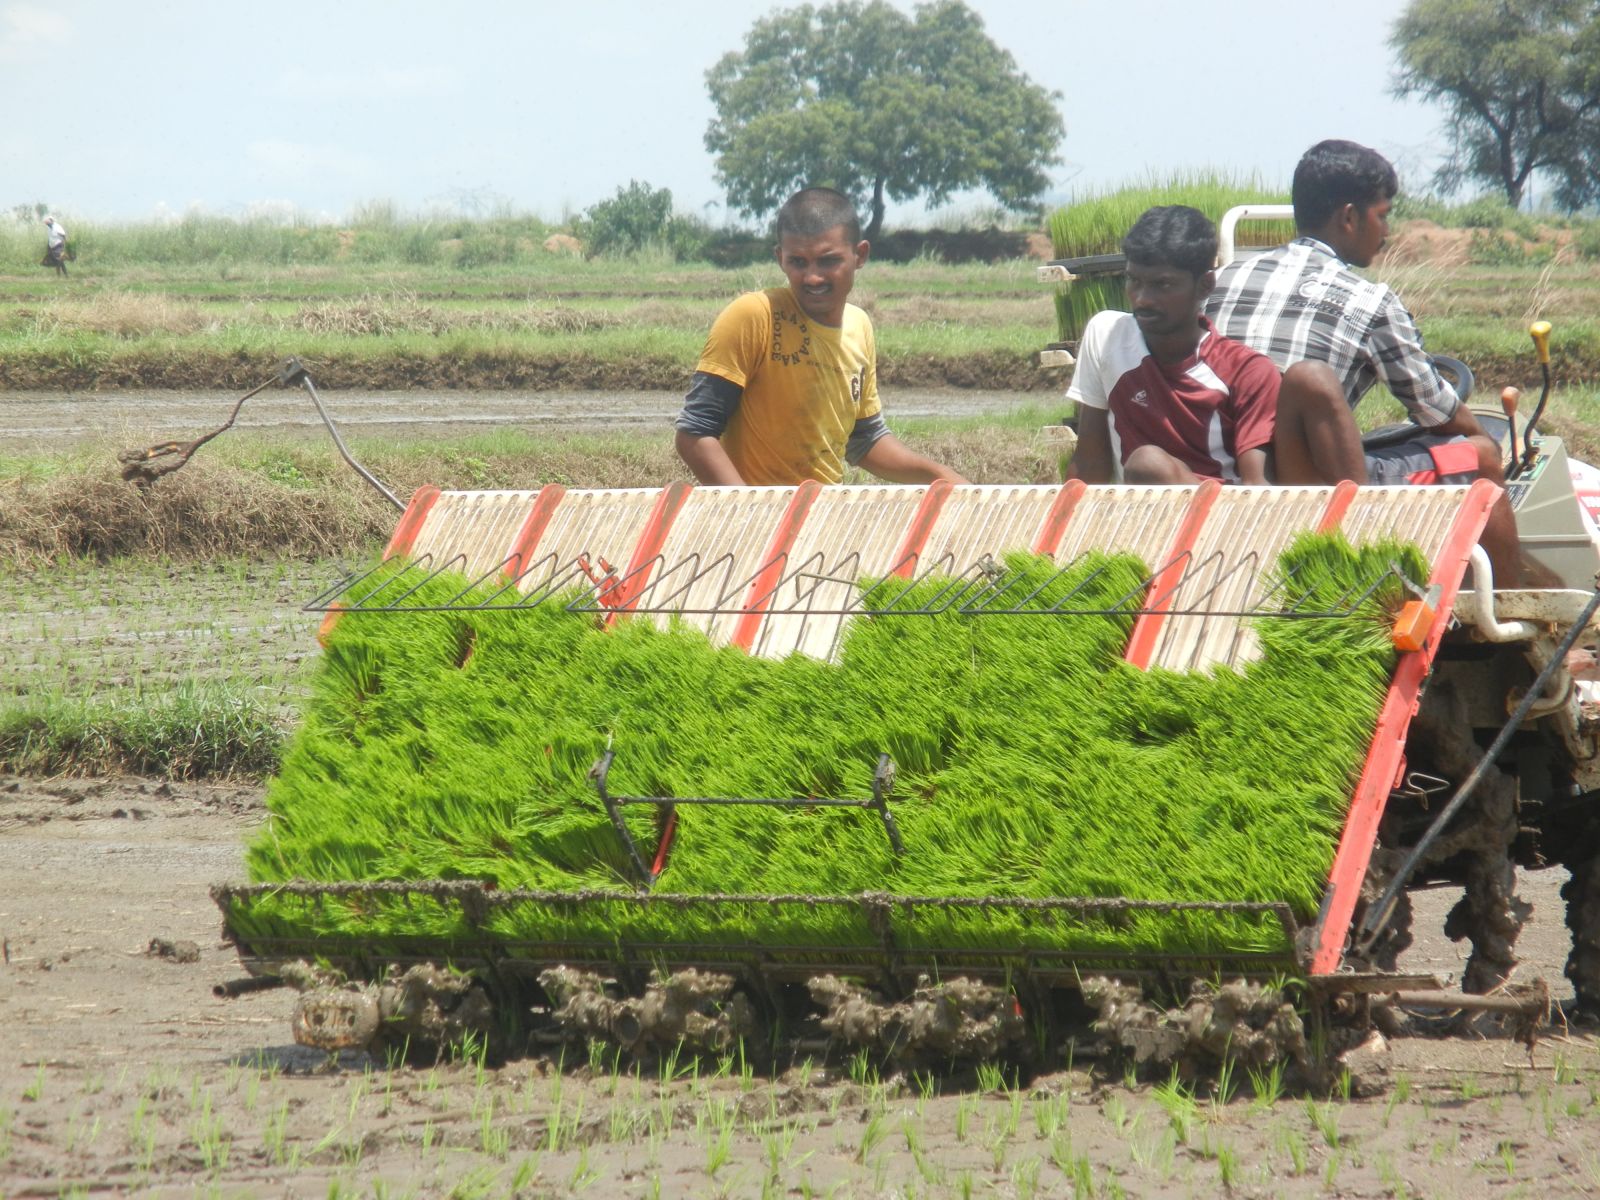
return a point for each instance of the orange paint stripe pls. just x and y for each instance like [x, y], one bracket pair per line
[654, 536]
[1338, 504]
[400, 543]
[1386, 754]
[776, 562]
[405, 533]
[1147, 627]
[905, 558]
[521, 557]
[1055, 521]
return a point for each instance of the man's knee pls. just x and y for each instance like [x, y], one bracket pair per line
[1490, 465]
[1151, 464]
[1312, 387]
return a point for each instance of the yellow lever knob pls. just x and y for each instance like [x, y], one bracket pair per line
[1539, 331]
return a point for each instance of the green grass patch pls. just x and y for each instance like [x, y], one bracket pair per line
[192, 732]
[1033, 762]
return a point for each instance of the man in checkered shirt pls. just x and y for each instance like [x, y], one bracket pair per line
[1335, 334]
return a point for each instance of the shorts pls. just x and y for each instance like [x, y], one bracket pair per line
[1426, 458]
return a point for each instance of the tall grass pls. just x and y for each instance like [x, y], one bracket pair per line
[374, 235]
[1095, 222]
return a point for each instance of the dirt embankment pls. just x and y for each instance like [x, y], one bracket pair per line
[457, 371]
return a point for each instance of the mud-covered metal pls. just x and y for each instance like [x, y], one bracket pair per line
[896, 956]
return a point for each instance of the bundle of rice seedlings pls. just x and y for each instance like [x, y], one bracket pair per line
[1095, 222]
[1032, 762]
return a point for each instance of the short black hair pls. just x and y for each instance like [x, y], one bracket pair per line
[1173, 235]
[1334, 173]
[812, 211]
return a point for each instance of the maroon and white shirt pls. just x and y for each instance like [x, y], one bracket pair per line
[1204, 411]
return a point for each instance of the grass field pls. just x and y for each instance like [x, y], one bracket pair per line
[552, 320]
[189, 559]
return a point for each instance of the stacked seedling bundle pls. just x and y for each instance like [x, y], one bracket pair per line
[1033, 762]
[1095, 223]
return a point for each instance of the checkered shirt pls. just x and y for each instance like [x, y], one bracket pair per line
[1301, 301]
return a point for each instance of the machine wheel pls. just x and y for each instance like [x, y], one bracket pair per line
[1396, 936]
[1582, 894]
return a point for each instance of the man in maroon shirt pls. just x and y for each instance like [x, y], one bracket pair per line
[1162, 397]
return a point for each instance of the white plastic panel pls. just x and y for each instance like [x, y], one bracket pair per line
[980, 519]
[850, 532]
[1230, 571]
[1422, 515]
[716, 546]
[472, 532]
[1126, 518]
[604, 523]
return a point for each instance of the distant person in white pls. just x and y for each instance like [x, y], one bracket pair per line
[55, 252]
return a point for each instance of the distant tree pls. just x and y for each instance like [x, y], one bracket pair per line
[1521, 81]
[637, 217]
[861, 97]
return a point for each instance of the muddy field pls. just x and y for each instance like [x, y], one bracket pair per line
[47, 420]
[120, 1072]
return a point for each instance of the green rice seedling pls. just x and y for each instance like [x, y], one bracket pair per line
[35, 1090]
[1051, 1114]
[1294, 1144]
[1025, 1177]
[1177, 1099]
[1227, 1166]
[274, 1134]
[419, 760]
[1325, 1120]
[1095, 223]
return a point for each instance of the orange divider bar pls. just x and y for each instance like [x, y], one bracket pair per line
[400, 543]
[1344, 493]
[1147, 626]
[651, 540]
[1385, 757]
[1055, 521]
[905, 558]
[405, 533]
[533, 527]
[777, 558]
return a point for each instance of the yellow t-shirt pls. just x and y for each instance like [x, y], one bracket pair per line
[805, 386]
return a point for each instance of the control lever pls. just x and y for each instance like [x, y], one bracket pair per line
[1508, 404]
[1539, 331]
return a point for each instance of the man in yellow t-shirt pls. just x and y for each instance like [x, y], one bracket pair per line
[786, 388]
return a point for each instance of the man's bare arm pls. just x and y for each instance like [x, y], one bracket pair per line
[706, 458]
[1091, 462]
[1253, 466]
[893, 460]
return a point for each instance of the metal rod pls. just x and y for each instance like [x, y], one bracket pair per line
[598, 773]
[1527, 1005]
[882, 784]
[1528, 451]
[1379, 915]
[250, 983]
[344, 451]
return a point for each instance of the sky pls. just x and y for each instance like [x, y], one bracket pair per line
[123, 110]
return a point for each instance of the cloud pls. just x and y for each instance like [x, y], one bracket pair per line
[29, 32]
[373, 83]
[287, 161]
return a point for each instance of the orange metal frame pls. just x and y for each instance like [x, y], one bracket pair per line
[1386, 756]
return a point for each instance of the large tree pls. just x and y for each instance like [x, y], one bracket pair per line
[1521, 81]
[861, 97]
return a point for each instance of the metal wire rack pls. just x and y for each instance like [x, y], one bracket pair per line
[933, 586]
